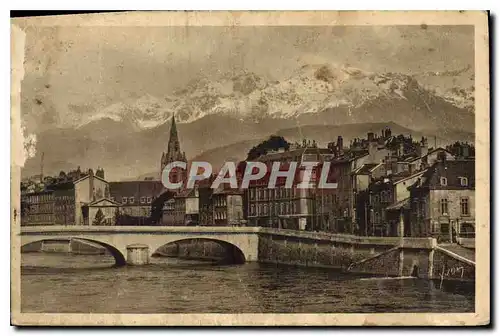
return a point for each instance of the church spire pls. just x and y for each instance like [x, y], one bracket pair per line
[174, 152]
[173, 142]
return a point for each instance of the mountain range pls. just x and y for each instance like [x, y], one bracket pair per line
[221, 119]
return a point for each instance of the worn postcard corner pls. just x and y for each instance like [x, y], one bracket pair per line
[250, 168]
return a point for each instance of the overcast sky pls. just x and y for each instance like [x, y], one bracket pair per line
[83, 69]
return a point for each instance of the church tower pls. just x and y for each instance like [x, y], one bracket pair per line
[173, 154]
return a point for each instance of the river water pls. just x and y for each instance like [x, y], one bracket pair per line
[58, 283]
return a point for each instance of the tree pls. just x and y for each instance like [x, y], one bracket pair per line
[117, 216]
[273, 143]
[99, 218]
[157, 206]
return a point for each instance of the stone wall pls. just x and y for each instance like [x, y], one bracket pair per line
[33, 247]
[449, 268]
[195, 249]
[385, 264]
[416, 257]
[307, 252]
[82, 247]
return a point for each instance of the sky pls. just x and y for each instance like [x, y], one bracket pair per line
[71, 71]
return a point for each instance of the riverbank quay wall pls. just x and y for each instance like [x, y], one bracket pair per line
[381, 256]
[384, 256]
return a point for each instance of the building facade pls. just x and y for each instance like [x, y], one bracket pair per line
[63, 200]
[183, 209]
[442, 202]
[135, 197]
[283, 207]
[38, 208]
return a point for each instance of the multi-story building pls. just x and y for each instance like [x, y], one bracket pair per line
[63, 202]
[183, 209]
[442, 201]
[354, 167]
[282, 207]
[368, 160]
[227, 207]
[37, 208]
[87, 190]
[382, 207]
[135, 197]
[206, 207]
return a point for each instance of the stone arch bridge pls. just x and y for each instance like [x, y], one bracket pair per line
[126, 244]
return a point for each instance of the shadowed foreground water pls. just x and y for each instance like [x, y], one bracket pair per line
[54, 283]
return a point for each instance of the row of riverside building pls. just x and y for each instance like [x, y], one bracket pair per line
[387, 185]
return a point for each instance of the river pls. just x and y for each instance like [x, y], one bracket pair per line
[59, 283]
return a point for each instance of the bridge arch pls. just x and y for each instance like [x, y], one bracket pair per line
[119, 256]
[233, 253]
[238, 241]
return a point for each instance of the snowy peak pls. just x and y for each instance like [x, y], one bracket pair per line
[310, 89]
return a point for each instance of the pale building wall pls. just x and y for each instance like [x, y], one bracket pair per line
[453, 197]
[234, 208]
[83, 195]
[401, 190]
[192, 205]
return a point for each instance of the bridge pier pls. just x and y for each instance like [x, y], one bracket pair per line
[137, 254]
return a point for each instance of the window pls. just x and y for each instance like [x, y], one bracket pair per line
[464, 181]
[131, 200]
[149, 200]
[444, 207]
[464, 206]
[252, 194]
[444, 181]
[124, 200]
[143, 199]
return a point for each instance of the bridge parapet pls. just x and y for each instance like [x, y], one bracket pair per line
[241, 241]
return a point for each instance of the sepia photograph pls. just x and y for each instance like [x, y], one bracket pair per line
[250, 168]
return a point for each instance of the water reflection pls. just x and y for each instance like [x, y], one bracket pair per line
[89, 284]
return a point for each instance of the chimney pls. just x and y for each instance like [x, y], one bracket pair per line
[91, 185]
[465, 151]
[388, 165]
[372, 151]
[371, 136]
[340, 144]
[441, 157]
[423, 148]
[401, 150]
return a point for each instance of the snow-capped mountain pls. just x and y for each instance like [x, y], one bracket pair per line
[143, 113]
[310, 89]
